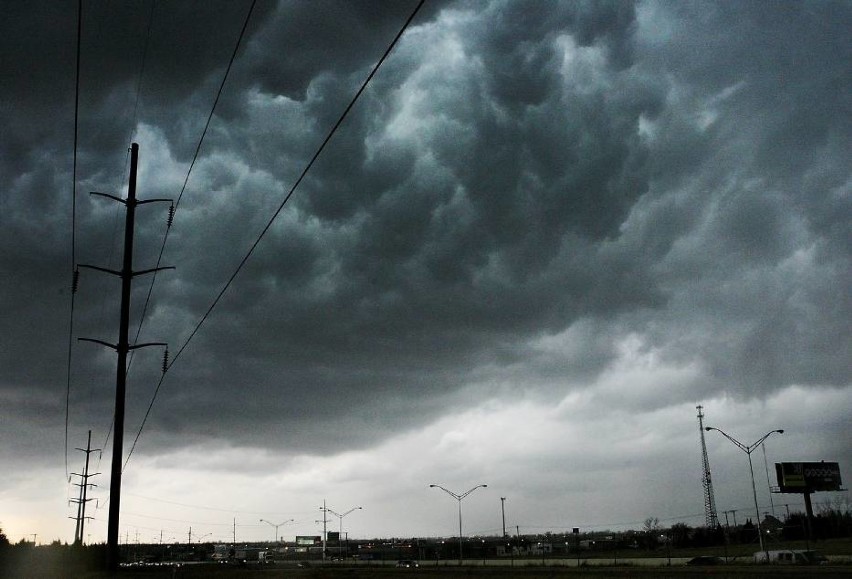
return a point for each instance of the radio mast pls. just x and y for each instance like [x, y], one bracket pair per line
[710, 518]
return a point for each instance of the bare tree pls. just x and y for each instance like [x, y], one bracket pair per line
[651, 525]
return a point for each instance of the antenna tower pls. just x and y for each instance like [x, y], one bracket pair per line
[710, 518]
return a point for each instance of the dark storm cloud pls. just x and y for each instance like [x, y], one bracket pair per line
[403, 304]
[768, 186]
[516, 172]
[300, 41]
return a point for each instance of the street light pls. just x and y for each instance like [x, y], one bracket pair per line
[748, 449]
[459, 498]
[339, 516]
[276, 526]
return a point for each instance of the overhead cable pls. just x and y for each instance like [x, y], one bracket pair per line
[274, 216]
[174, 207]
[73, 232]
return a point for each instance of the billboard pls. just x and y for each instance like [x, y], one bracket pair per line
[308, 541]
[807, 477]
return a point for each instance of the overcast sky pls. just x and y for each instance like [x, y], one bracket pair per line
[545, 233]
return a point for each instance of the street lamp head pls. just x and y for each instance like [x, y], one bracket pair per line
[432, 486]
[484, 486]
[708, 428]
[780, 431]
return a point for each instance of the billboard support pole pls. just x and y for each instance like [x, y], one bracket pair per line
[809, 515]
[807, 478]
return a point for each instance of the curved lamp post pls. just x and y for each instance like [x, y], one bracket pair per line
[340, 532]
[276, 526]
[459, 498]
[748, 449]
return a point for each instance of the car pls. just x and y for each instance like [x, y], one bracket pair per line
[706, 560]
[814, 557]
[790, 557]
[407, 563]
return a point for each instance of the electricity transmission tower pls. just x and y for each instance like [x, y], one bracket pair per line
[122, 348]
[710, 518]
[84, 488]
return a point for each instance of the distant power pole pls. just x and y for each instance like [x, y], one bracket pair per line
[503, 512]
[123, 347]
[710, 518]
[324, 510]
[84, 487]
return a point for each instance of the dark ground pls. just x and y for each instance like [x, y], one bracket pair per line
[63, 562]
[340, 572]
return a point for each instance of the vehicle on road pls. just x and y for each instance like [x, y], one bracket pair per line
[791, 557]
[706, 560]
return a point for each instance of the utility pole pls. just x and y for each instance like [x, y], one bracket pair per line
[503, 511]
[122, 348]
[768, 482]
[711, 521]
[324, 510]
[84, 487]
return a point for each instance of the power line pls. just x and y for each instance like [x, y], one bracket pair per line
[220, 509]
[115, 221]
[126, 168]
[174, 208]
[115, 229]
[73, 231]
[274, 216]
[190, 506]
[191, 166]
[177, 203]
[132, 514]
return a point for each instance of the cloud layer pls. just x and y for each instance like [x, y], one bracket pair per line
[622, 208]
